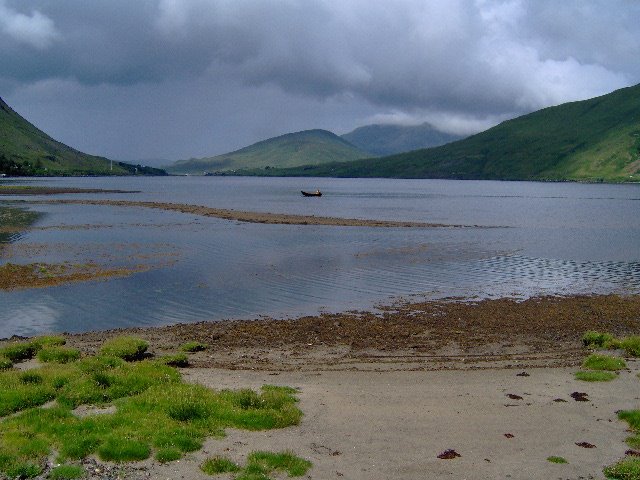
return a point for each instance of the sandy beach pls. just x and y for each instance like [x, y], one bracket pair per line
[385, 394]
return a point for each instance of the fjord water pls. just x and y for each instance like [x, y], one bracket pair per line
[520, 239]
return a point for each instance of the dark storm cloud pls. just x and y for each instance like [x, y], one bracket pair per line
[463, 65]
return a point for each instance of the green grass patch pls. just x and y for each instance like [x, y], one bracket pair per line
[633, 442]
[632, 417]
[48, 341]
[626, 469]
[58, 355]
[556, 459]
[5, 363]
[170, 454]
[218, 465]
[119, 448]
[191, 347]
[259, 465]
[603, 362]
[156, 413]
[66, 472]
[19, 351]
[595, 376]
[593, 339]
[631, 346]
[177, 360]
[125, 347]
[283, 461]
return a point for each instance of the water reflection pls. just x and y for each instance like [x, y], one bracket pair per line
[562, 239]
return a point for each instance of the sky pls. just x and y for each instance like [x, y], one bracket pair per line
[162, 80]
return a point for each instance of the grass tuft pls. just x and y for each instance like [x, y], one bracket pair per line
[57, 354]
[555, 459]
[626, 469]
[603, 362]
[283, 461]
[169, 454]
[595, 376]
[593, 339]
[631, 346]
[633, 418]
[259, 465]
[24, 470]
[66, 472]
[218, 465]
[191, 347]
[177, 360]
[122, 449]
[5, 363]
[17, 352]
[30, 377]
[125, 347]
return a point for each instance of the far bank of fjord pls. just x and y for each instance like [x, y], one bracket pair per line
[595, 140]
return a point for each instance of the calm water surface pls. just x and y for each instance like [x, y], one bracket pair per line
[545, 239]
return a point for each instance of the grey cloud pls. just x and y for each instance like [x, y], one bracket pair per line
[463, 64]
[33, 29]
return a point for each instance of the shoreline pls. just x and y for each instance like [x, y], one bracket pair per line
[432, 335]
[384, 394]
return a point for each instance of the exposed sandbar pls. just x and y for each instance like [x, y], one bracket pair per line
[261, 217]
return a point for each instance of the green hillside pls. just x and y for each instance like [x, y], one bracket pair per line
[391, 139]
[26, 150]
[590, 140]
[310, 147]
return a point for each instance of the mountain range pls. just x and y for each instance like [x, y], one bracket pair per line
[590, 140]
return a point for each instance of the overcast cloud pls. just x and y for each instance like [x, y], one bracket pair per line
[175, 79]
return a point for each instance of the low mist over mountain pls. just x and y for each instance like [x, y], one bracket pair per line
[309, 147]
[26, 150]
[590, 140]
[390, 139]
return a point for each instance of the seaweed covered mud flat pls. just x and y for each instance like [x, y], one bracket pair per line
[432, 335]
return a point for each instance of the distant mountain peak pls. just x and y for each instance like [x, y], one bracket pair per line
[313, 147]
[389, 139]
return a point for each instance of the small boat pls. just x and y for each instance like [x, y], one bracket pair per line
[317, 193]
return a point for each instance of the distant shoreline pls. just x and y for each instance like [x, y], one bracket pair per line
[37, 190]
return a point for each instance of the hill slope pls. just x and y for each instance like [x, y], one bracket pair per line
[26, 150]
[590, 140]
[309, 147]
[390, 139]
